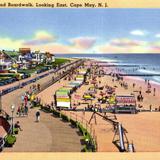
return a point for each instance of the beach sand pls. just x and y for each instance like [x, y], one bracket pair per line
[143, 128]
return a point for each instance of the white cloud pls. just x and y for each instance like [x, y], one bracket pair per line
[41, 37]
[157, 35]
[83, 42]
[123, 45]
[139, 32]
[9, 43]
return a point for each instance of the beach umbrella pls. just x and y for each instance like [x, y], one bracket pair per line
[76, 96]
[112, 100]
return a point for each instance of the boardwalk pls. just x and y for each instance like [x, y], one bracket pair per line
[50, 134]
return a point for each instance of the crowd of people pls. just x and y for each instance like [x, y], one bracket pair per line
[29, 100]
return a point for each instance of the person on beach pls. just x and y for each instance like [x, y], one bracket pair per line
[134, 85]
[150, 107]
[145, 81]
[52, 105]
[37, 116]
[154, 91]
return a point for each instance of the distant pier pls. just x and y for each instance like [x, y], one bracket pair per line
[130, 74]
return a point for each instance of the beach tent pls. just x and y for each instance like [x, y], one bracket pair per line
[69, 87]
[62, 97]
[125, 104]
[112, 100]
[78, 82]
[126, 99]
[82, 71]
[88, 97]
[65, 90]
[60, 93]
[63, 104]
[75, 83]
[80, 77]
[91, 90]
[72, 85]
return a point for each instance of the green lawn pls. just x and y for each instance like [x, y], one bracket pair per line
[59, 61]
[13, 54]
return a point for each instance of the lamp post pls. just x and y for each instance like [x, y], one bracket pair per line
[0, 100]
[12, 110]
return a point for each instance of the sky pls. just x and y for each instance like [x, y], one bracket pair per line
[81, 30]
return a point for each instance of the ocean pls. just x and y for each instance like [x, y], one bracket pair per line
[148, 64]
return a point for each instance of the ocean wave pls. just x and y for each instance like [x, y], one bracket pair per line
[156, 78]
[104, 59]
[149, 71]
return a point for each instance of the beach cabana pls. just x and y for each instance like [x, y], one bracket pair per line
[78, 82]
[75, 83]
[62, 97]
[72, 85]
[92, 90]
[126, 99]
[80, 78]
[82, 71]
[63, 91]
[125, 104]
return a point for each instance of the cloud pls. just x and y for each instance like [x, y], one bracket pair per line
[9, 43]
[44, 41]
[52, 47]
[157, 35]
[124, 42]
[138, 32]
[155, 47]
[75, 45]
[41, 37]
[56, 48]
[83, 42]
[123, 45]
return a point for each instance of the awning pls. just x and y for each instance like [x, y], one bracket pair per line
[125, 99]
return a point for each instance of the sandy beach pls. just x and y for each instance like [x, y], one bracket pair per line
[142, 128]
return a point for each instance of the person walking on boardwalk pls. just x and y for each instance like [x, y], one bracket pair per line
[37, 116]
[26, 110]
[38, 87]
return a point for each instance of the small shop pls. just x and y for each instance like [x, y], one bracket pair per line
[125, 104]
